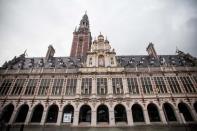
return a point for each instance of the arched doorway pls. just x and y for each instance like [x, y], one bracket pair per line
[7, 113]
[52, 114]
[120, 113]
[68, 114]
[185, 111]
[153, 113]
[22, 113]
[137, 112]
[37, 113]
[195, 106]
[169, 112]
[85, 114]
[102, 114]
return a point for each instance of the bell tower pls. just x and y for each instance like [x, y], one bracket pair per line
[81, 39]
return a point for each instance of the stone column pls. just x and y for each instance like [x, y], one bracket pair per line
[129, 117]
[28, 117]
[178, 116]
[78, 89]
[76, 118]
[13, 117]
[146, 117]
[59, 118]
[43, 117]
[111, 117]
[193, 113]
[109, 86]
[93, 117]
[162, 116]
[125, 88]
[94, 86]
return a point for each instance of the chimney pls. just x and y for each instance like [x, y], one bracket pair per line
[151, 50]
[50, 52]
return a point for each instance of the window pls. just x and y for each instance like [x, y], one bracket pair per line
[117, 85]
[174, 85]
[160, 85]
[90, 61]
[18, 87]
[31, 86]
[86, 87]
[102, 86]
[101, 61]
[71, 87]
[133, 85]
[112, 60]
[44, 87]
[189, 87]
[5, 86]
[146, 85]
[57, 86]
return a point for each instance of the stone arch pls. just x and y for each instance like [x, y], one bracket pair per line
[85, 113]
[7, 112]
[153, 112]
[22, 113]
[137, 113]
[120, 113]
[68, 111]
[102, 113]
[186, 111]
[37, 113]
[52, 113]
[169, 112]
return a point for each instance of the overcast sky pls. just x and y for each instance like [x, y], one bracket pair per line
[128, 24]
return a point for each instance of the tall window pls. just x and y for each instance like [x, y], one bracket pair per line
[102, 86]
[101, 61]
[57, 87]
[86, 86]
[71, 87]
[189, 87]
[117, 85]
[5, 86]
[133, 85]
[31, 86]
[146, 85]
[44, 87]
[160, 85]
[18, 87]
[174, 85]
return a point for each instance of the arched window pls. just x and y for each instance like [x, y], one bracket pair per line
[195, 106]
[7, 113]
[137, 113]
[185, 111]
[37, 113]
[101, 61]
[169, 112]
[102, 114]
[153, 113]
[68, 114]
[52, 114]
[22, 113]
[120, 113]
[85, 114]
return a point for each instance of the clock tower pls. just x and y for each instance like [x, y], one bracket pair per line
[81, 39]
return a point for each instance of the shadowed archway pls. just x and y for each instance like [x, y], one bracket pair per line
[169, 112]
[137, 112]
[52, 114]
[7, 113]
[153, 113]
[102, 114]
[120, 113]
[37, 113]
[85, 114]
[22, 114]
[68, 109]
[183, 108]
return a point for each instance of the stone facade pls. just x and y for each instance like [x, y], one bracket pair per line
[100, 89]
